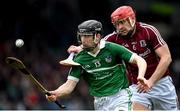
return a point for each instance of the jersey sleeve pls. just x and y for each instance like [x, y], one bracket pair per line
[155, 37]
[75, 73]
[121, 51]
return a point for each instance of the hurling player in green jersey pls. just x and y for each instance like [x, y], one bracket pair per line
[102, 67]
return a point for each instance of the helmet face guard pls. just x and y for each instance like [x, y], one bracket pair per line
[79, 34]
[95, 42]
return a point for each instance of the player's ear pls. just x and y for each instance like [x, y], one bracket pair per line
[97, 38]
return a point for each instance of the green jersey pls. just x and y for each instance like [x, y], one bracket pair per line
[104, 71]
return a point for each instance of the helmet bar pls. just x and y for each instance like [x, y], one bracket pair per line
[86, 33]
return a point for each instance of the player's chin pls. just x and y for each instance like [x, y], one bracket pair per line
[86, 46]
[123, 33]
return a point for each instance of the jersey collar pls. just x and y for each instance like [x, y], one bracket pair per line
[101, 46]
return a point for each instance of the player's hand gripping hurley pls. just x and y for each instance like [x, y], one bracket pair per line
[18, 65]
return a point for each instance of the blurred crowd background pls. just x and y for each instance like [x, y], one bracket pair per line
[48, 28]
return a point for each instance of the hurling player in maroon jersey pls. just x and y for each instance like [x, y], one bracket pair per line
[146, 41]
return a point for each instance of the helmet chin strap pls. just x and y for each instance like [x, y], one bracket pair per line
[96, 41]
[132, 22]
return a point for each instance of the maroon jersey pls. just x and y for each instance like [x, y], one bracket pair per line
[144, 42]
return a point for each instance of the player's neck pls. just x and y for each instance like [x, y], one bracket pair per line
[95, 50]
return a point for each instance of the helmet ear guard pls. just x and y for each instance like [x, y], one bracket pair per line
[96, 38]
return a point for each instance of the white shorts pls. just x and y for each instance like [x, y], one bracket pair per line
[117, 102]
[161, 97]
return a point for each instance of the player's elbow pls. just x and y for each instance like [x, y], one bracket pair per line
[167, 59]
[139, 61]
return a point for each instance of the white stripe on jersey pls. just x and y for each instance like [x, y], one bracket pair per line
[107, 36]
[132, 57]
[102, 69]
[156, 32]
[73, 78]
